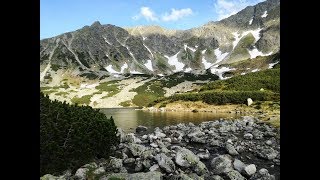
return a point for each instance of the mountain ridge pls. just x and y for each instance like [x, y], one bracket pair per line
[109, 49]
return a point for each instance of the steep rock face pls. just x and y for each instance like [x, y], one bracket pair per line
[154, 50]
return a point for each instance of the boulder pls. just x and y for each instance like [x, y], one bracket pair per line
[139, 165]
[231, 150]
[131, 138]
[141, 176]
[200, 168]
[198, 139]
[250, 170]
[248, 136]
[81, 173]
[98, 171]
[234, 175]
[249, 101]
[141, 129]
[165, 163]
[204, 155]
[262, 174]
[49, 177]
[121, 135]
[221, 164]
[155, 167]
[129, 161]
[116, 164]
[238, 165]
[136, 149]
[186, 158]
[268, 153]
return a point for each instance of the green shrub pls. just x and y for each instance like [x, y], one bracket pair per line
[72, 135]
[222, 97]
[82, 100]
[268, 80]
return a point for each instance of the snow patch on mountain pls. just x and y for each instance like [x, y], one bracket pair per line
[220, 56]
[219, 71]
[187, 70]
[148, 49]
[255, 70]
[149, 65]
[250, 22]
[186, 46]
[173, 61]
[111, 70]
[204, 51]
[237, 39]
[264, 14]
[255, 52]
[123, 67]
[237, 36]
[105, 39]
[206, 63]
[135, 72]
[272, 64]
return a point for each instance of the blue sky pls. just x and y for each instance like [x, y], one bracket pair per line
[60, 16]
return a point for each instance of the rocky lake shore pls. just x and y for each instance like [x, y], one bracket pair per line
[246, 148]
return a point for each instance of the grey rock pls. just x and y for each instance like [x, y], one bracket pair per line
[204, 155]
[198, 140]
[186, 158]
[100, 170]
[116, 164]
[250, 169]
[141, 176]
[221, 164]
[249, 101]
[154, 167]
[139, 166]
[234, 175]
[231, 150]
[216, 177]
[136, 149]
[49, 177]
[268, 153]
[81, 173]
[141, 129]
[257, 134]
[262, 174]
[146, 163]
[129, 161]
[248, 136]
[165, 163]
[238, 165]
[131, 138]
[200, 168]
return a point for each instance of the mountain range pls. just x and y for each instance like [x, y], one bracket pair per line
[104, 50]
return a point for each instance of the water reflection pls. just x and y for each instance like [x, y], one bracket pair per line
[128, 119]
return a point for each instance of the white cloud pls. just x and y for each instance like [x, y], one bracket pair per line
[176, 14]
[147, 13]
[226, 8]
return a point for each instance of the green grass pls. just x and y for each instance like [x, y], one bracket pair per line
[222, 97]
[146, 95]
[242, 46]
[61, 93]
[111, 87]
[49, 91]
[267, 79]
[125, 104]
[81, 100]
[235, 90]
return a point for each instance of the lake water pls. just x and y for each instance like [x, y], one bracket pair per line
[129, 118]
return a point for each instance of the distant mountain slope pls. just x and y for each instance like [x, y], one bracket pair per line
[108, 49]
